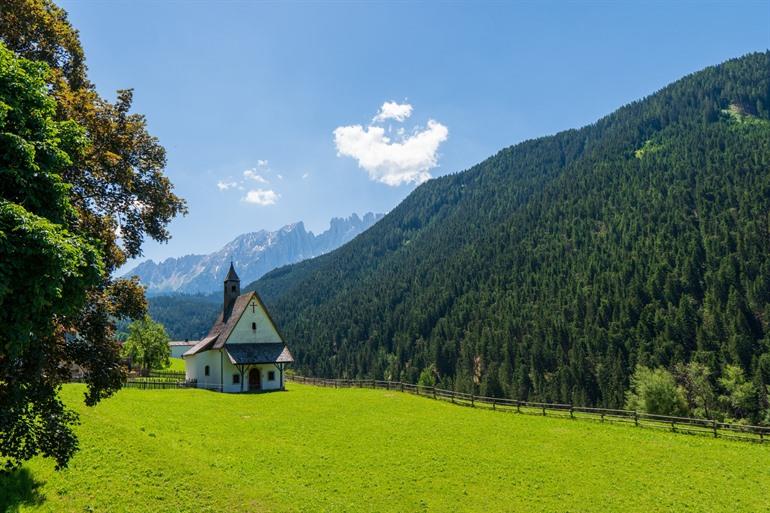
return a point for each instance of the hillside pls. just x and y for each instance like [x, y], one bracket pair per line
[195, 451]
[254, 254]
[550, 270]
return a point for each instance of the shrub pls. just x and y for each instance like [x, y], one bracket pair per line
[655, 391]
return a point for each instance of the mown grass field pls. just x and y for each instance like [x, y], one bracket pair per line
[316, 449]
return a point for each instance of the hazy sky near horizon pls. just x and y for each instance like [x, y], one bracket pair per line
[273, 113]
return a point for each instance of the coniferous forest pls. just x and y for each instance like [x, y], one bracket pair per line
[557, 268]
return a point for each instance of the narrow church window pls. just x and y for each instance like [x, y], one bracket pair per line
[232, 289]
[271, 376]
[206, 370]
[254, 326]
[236, 379]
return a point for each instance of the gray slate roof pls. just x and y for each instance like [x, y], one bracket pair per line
[244, 354]
[183, 343]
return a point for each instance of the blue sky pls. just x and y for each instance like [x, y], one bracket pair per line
[288, 93]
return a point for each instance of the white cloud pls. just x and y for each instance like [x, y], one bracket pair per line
[251, 174]
[262, 163]
[262, 197]
[393, 110]
[305, 176]
[280, 177]
[407, 160]
[223, 186]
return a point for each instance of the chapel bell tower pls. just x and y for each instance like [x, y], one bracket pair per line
[232, 291]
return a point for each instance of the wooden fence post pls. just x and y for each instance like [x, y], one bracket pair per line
[434, 391]
[636, 418]
[518, 406]
[493, 404]
[472, 404]
[571, 412]
[543, 410]
[715, 428]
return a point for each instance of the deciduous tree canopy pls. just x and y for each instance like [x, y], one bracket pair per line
[147, 343]
[82, 184]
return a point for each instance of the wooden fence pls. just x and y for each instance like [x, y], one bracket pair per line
[708, 427]
[166, 374]
[156, 383]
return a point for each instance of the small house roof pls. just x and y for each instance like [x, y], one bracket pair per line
[203, 345]
[247, 354]
[177, 343]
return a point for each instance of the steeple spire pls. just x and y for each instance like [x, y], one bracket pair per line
[231, 275]
[232, 291]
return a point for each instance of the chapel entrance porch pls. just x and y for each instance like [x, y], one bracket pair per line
[255, 381]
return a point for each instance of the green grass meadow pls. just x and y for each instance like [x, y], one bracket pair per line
[176, 365]
[316, 449]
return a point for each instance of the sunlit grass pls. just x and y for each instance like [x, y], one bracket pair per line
[177, 365]
[316, 449]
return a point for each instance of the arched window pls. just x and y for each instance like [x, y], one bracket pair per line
[206, 370]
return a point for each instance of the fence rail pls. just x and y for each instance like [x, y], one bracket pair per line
[714, 428]
[155, 384]
[166, 374]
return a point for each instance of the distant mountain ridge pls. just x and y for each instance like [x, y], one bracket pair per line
[254, 254]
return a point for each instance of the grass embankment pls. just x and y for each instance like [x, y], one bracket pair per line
[313, 449]
[176, 365]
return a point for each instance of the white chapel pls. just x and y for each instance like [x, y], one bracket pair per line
[243, 351]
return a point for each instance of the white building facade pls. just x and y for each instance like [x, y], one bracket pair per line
[243, 351]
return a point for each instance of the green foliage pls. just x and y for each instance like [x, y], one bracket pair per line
[427, 377]
[696, 380]
[315, 449]
[147, 343]
[45, 266]
[552, 269]
[73, 169]
[648, 148]
[118, 180]
[185, 316]
[655, 391]
[741, 398]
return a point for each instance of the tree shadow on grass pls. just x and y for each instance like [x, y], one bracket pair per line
[19, 488]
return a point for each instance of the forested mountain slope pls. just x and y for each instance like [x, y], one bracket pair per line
[550, 270]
